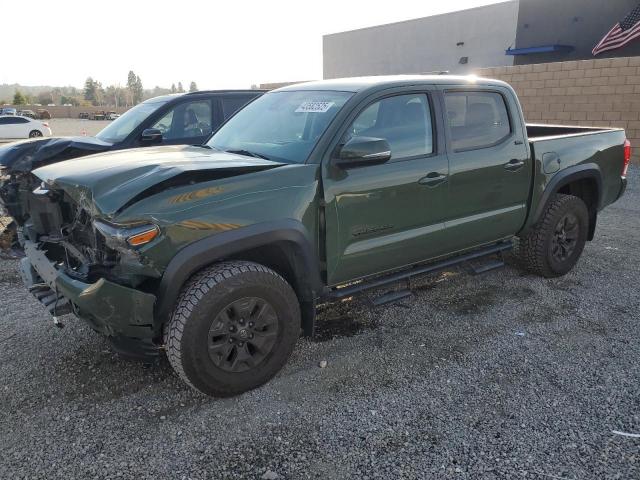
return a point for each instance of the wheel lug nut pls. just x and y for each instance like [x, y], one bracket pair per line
[251, 324]
[231, 340]
[241, 344]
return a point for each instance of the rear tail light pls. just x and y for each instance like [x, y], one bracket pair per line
[627, 157]
[45, 124]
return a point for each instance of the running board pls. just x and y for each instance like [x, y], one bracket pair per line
[486, 267]
[391, 297]
[419, 270]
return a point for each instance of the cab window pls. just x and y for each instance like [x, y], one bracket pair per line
[404, 121]
[186, 120]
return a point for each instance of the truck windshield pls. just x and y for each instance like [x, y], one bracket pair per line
[280, 126]
[121, 127]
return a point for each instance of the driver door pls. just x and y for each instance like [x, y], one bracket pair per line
[188, 123]
[384, 216]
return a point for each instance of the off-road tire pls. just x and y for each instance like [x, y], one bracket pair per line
[534, 250]
[202, 300]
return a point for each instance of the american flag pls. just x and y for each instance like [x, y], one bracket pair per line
[621, 33]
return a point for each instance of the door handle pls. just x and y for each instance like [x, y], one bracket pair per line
[432, 179]
[514, 165]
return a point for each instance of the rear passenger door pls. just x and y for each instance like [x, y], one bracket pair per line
[187, 123]
[490, 166]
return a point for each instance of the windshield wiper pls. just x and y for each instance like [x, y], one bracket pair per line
[248, 153]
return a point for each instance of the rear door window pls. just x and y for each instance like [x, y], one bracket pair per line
[477, 119]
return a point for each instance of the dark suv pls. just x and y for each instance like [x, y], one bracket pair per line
[178, 119]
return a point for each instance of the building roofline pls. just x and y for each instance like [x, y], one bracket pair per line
[421, 18]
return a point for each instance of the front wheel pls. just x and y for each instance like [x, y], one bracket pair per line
[554, 245]
[234, 326]
[35, 134]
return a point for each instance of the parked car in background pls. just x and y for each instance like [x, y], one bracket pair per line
[179, 119]
[8, 111]
[112, 115]
[27, 113]
[13, 126]
[43, 114]
[312, 194]
[83, 115]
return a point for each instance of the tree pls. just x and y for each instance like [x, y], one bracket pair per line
[173, 88]
[18, 98]
[90, 90]
[193, 87]
[180, 89]
[134, 85]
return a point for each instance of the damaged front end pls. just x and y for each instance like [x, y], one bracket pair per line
[77, 263]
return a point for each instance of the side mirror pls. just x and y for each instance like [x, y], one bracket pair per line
[363, 151]
[151, 135]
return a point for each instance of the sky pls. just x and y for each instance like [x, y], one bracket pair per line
[217, 44]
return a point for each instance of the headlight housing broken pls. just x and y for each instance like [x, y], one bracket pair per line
[127, 236]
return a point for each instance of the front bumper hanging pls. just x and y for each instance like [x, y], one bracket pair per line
[111, 309]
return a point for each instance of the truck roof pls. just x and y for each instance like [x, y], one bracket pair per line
[170, 96]
[359, 84]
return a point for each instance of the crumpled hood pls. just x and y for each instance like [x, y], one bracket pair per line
[106, 183]
[27, 155]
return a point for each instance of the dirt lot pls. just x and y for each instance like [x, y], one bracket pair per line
[71, 127]
[64, 127]
[500, 376]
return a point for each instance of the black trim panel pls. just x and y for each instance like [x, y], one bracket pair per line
[566, 176]
[289, 233]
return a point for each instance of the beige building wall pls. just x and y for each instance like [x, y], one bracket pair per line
[587, 92]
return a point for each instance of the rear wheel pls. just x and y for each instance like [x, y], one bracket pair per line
[554, 245]
[35, 133]
[234, 327]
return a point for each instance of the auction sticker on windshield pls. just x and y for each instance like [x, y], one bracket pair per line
[314, 107]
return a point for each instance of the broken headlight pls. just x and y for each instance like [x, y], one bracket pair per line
[127, 236]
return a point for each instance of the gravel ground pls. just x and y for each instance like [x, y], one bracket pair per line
[505, 375]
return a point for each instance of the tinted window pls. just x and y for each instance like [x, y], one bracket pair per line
[11, 120]
[231, 105]
[21, 120]
[476, 119]
[282, 126]
[403, 121]
[186, 120]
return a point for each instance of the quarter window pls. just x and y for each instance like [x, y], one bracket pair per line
[404, 121]
[476, 119]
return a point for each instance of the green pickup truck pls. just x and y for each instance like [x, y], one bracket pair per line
[313, 193]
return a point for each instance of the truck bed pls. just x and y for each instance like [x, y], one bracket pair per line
[555, 148]
[537, 131]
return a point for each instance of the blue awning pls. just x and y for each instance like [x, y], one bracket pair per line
[541, 49]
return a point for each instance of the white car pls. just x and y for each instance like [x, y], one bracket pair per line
[22, 127]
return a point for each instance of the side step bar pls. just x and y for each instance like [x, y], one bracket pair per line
[391, 297]
[418, 270]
